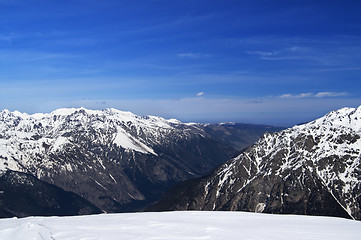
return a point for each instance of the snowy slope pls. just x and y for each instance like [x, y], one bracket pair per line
[314, 168]
[180, 225]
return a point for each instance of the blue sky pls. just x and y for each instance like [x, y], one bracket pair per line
[272, 62]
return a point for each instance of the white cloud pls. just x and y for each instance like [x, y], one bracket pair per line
[261, 53]
[314, 95]
[330, 94]
[200, 94]
[297, 49]
[194, 55]
[281, 54]
[286, 95]
[301, 95]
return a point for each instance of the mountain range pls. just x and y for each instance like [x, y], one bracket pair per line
[313, 169]
[115, 161]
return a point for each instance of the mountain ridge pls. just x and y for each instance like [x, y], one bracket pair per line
[277, 173]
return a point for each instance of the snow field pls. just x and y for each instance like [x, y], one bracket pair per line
[180, 225]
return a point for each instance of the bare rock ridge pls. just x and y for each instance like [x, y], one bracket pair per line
[313, 169]
[116, 160]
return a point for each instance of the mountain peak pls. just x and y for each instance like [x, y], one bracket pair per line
[68, 111]
[344, 117]
[111, 113]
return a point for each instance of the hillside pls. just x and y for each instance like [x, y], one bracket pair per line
[313, 169]
[24, 195]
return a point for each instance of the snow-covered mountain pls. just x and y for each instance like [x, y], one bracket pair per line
[314, 168]
[116, 160]
[111, 158]
[180, 225]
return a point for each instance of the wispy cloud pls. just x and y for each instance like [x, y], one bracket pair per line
[337, 53]
[338, 69]
[200, 94]
[288, 53]
[7, 38]
[262, 54]
[330, 94]
[301, 95]
[32, 36]
[194, 55]
[314, 95]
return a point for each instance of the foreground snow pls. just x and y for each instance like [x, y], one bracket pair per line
[180, 225]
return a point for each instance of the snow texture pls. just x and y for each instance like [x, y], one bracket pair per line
[180, 225]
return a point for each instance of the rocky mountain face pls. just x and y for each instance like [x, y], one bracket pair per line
[23, 195]
[312, 169]
[116, 160]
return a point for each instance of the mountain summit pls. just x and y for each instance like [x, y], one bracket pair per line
[314, 168]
